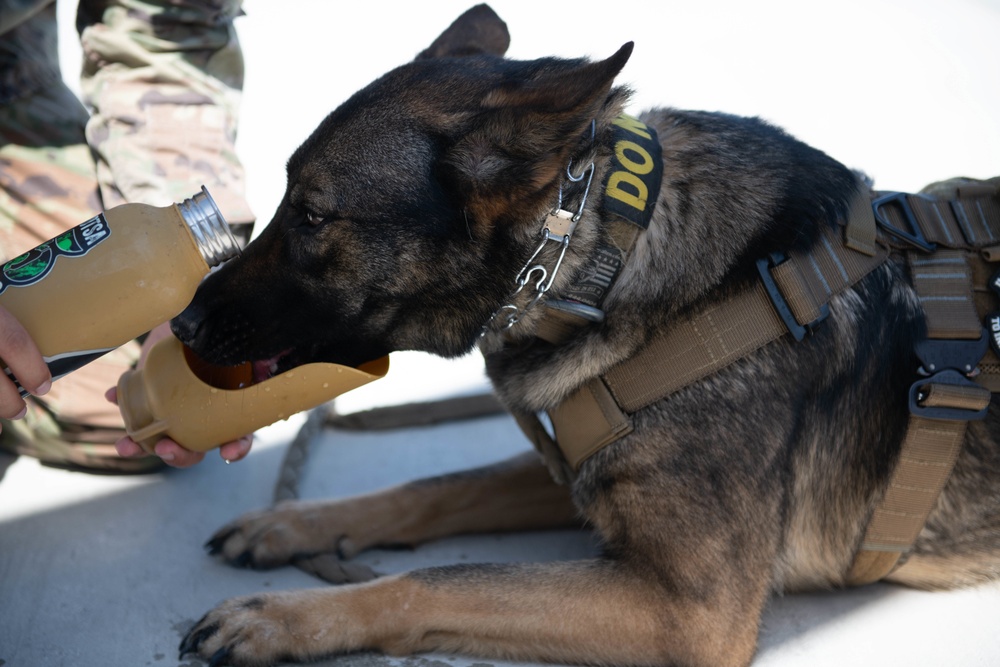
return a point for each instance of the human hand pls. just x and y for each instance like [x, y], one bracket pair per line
[172, 453]
[21, 355]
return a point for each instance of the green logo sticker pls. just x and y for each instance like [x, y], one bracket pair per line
[35, 264]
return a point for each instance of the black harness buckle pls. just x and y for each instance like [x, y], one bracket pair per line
[948, 362]
[798, 331]
[962, 355]
[913, 236]
[920, 389]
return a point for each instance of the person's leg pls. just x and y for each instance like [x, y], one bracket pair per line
[163, 81]
[48, 185]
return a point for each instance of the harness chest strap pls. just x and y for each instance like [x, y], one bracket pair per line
[792, 296]
[598, 413]
[951, 285]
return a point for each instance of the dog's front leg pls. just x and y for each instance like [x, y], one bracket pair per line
[595, 612]
[517, 494]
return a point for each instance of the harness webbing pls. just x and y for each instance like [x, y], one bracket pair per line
[792, 297]
[730, 330]
[967, 223]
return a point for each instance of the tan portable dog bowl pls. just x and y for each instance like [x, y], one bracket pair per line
[215, 405]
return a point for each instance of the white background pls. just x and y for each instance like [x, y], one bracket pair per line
[905, 90]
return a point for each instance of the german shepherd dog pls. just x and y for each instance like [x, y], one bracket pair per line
[408, 214]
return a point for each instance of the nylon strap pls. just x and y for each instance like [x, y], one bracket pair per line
[945, 283]
[734, 328]
[712, 339]
[969, 218]
[630, 190]
[928, 454]
[794, 293]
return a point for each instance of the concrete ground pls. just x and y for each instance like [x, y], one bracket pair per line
[103, 570]
[100, 570]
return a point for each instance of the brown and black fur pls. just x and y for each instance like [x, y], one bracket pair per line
[407, 215]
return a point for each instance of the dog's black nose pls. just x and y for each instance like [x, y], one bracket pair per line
[185, 326]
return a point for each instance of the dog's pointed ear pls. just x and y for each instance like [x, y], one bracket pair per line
[555, 89]
[532, 122]
[478, 31]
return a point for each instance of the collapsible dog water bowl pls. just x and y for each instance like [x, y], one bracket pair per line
[215, 405]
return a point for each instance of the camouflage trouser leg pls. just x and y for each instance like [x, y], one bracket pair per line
[47, 185]
[164, 82]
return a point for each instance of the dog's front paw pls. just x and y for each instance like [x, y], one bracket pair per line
[252, 631]
[301, 529]
[270, 538]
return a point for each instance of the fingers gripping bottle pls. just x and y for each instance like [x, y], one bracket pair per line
[201, 406]
[113, 277]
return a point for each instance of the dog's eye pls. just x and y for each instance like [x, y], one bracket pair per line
[314, 219]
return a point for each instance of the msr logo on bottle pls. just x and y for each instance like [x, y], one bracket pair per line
[35, 264]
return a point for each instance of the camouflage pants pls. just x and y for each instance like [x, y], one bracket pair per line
[163, 80]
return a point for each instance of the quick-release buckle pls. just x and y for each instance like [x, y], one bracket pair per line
[798, 331]
[913, 236]
[949, 362]
[962, 355]
[920, 390]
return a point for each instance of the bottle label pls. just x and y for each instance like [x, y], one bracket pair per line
[35, 264]
[62, 364]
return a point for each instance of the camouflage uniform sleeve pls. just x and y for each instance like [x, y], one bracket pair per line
[163, 80]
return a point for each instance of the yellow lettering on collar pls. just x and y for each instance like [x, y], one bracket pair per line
[640, 168]
[636, 200]
[632, 181]
[633, 125]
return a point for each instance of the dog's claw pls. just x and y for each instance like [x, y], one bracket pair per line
[243, 560]
[214, 547]
[195, 637]
[214, 543]
[219, 657]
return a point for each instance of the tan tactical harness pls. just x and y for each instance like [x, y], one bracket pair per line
[949, 242]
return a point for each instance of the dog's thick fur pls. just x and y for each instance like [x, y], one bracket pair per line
[408, 213]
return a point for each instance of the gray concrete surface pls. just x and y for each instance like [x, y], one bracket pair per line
[98, 571]
[109, 571]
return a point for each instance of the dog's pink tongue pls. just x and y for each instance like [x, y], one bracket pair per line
[262, 370]
[266, 368]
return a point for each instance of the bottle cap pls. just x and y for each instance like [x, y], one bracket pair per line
[211, 232]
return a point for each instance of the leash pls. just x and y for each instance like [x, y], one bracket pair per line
[330, 567]
[325, 566]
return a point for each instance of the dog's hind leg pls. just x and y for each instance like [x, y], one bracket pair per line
[516, 494]
[595, 612]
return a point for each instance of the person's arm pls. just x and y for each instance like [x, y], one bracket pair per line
[172, 453]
